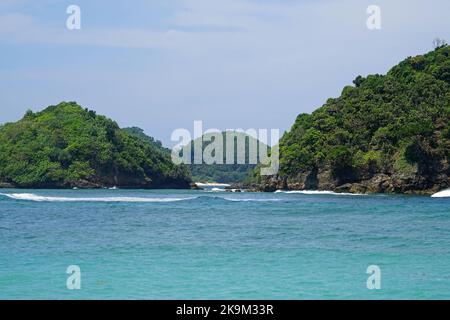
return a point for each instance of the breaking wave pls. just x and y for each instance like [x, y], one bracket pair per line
[37, 198]
[442, 194]
[34, 197]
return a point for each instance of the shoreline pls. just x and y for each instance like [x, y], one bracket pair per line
[112, 187]
[445, 193]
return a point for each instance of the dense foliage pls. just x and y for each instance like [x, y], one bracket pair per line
[395, 123]
[139, 133]
[225, 173]
[68, 146]
[221, 173]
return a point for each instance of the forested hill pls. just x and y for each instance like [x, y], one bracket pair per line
[386, 133]
[227, 173]
[66, 146]
[222, 173]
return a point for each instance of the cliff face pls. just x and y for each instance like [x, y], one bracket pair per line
[386, 133]
[66, 146]
[378, 183]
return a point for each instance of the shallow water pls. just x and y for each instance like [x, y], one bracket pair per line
[168, 244]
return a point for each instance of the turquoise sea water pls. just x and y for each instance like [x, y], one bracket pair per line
[133, 244]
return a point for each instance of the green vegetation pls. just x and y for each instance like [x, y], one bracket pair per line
[67, 146]
[226, 173]
[396, 124]
[139, 133]
[220, 173]
[386, 133]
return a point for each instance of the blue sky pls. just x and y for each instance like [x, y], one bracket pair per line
[160, 65]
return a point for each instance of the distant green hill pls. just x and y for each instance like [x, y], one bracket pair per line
[222, 173]
[387, 133]
[225, 173]
[67, 146]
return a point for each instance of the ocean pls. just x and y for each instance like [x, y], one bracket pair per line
[168, 244]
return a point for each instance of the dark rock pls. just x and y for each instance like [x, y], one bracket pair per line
[194, 186]
[5, 185]
[378, 183]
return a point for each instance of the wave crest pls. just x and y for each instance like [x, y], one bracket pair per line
[37, 198]
[442, 194]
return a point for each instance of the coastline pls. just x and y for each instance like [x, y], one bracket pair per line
[378, 183]
[444, 193]
[6, 185]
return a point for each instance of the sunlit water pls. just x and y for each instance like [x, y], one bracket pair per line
[214, 245]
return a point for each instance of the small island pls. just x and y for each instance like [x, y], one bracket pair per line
[67, 146]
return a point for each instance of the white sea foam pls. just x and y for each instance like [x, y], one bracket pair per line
[442, 194]
[202, 185]
[316, 192]
[217, 190]
[37, 198]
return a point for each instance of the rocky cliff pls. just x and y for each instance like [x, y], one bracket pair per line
[386, 133]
